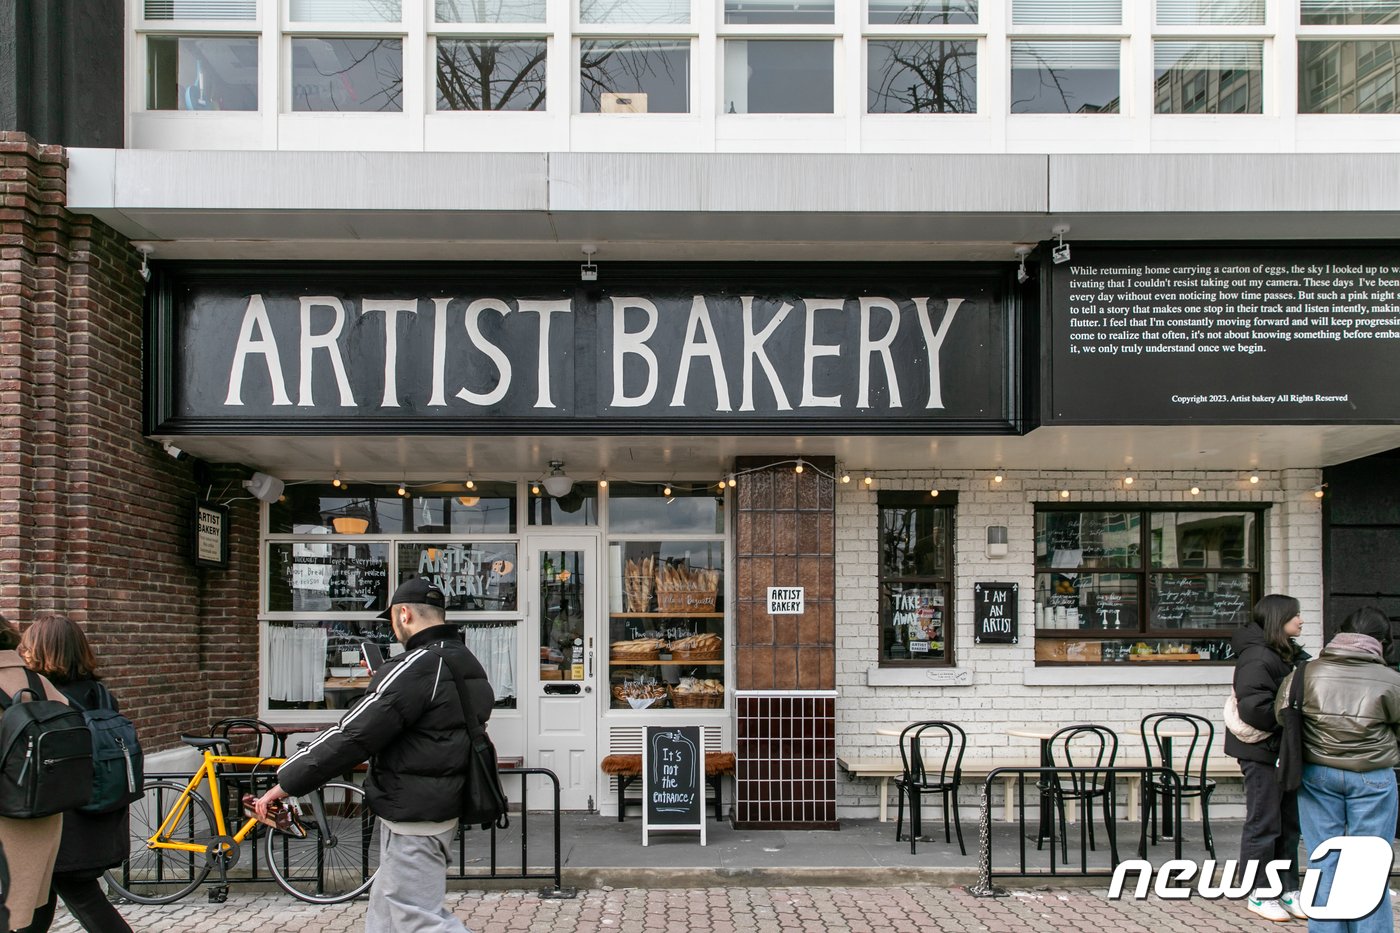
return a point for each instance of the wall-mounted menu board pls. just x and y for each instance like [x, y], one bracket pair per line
[1229, 335]
[329, 577]
[995, 613]
[1201, 601]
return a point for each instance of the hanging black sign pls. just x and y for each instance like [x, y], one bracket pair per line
[501, 348]
[994, 613]
[673, 777]
[1224, 336]
[209, 535]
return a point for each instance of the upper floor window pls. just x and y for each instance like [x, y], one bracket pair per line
[202, 73]
[1209, 77]
[489, 11]
[916, 579]
[200, 9]
[634, 76]
[634, 12]
[1065, 76]
[1353, 74]
[344, 11]
[347, 75]
[1067, 12]
[1210, 12]
[922, 12]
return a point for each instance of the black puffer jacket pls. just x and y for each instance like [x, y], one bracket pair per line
[1259, 669]
[409, 727]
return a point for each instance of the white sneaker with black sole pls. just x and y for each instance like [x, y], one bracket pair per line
[1270, 909]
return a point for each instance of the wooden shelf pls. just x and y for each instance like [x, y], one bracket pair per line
[622, 662]
[1164, 657]
[666, 615]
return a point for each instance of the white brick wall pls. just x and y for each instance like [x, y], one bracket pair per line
[999, 698]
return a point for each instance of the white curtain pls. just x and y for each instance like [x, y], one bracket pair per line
[494, 647]
[296, 664]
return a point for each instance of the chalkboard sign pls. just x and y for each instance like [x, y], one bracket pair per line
[994, 613]
[673, 780]
[1196, 601]
[328, 576]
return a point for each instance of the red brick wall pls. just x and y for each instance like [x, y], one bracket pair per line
[93, 516]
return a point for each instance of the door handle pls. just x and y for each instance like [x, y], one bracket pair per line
[590, 664]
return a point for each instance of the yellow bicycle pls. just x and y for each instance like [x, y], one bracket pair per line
[179, 835]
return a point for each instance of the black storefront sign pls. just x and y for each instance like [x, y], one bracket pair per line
[994, 613]
[500, 348]
[1226, 335]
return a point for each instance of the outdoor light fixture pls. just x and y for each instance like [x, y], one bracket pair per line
[933, 492]
[997, 541]
[1195, 490]
[145, 249]
[471, 483]
[557, 483]
[667, 490]
[1064, 493]
[998, 476]
[403, 490]
[1320, 491]
[534, 489]
[732, 481]
[869, 480]
[1060, 253]
[336, 482]
[264, 488]
[588, 272]
[1022, 252]
[602, 481]
[800, 467]
[1254, 479]
[1128, 480]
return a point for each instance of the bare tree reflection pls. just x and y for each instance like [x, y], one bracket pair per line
[489, 74]
[383, 58]
[923, 77]
[1054, 83]
[610, 66]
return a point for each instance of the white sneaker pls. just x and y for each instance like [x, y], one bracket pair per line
[1290, 904]
[1269, 909]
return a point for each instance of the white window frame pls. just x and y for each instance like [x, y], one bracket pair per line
[951, 32]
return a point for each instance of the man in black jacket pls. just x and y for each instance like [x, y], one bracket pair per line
[409, 727]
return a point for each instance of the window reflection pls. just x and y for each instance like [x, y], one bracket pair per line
[1064, 77]
[691, 508]
[1209, 77]
[201, 73]
[922, 12]
[779, 76]
[631, 76]
[480, 74]
[921, 77]
[347, 75]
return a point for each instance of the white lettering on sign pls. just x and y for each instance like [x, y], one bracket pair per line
[785, 600]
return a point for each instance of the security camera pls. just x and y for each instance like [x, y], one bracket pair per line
[173, 451]
[1060, 254]
[1022, 275]
[588, 272]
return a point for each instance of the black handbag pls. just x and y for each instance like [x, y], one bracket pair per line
[1289, 769]
[483, 798]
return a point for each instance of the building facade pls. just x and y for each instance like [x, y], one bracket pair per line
[791, 369]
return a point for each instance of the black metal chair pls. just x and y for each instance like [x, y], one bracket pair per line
[249, 737]
[1181, 742]
[1083, 746]
[932, 754]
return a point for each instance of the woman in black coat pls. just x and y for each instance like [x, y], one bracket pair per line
[1265, 653]
[92, 842]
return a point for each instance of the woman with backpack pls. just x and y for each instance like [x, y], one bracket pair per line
[30, 845]
[55, 647]
[1265, 653]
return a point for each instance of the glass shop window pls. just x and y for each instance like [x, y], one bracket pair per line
[916, 579]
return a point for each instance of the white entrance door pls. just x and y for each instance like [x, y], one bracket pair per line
[563, 587]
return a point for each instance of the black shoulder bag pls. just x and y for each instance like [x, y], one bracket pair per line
[1290, 747]
[483, 799]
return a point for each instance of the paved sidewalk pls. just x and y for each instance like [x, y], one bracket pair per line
[903, 909]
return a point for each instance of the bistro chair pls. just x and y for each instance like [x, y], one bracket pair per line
[1083, 746]
[1181, 742]
[932, 754]
[249, 737]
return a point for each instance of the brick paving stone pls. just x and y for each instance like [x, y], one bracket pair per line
[916, 909]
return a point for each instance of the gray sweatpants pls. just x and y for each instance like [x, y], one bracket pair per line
[411, 885]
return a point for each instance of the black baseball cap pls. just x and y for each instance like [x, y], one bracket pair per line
[417, 591]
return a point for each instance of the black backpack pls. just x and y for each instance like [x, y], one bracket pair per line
[45, 754]
[483, 799]
[118, 764]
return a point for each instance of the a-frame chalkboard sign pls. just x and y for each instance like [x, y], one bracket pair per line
[673, 780]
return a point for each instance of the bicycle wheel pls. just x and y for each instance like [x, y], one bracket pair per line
[163, 876]
[334, 867]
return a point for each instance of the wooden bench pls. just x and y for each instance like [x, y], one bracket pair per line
[628, 769]
[976, 770]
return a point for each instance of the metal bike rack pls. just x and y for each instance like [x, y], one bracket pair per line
[985, 871]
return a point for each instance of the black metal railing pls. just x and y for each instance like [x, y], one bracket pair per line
[171, 865]
[1048, 782]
